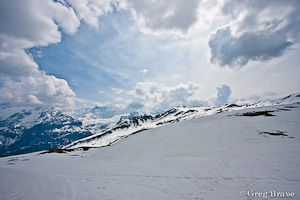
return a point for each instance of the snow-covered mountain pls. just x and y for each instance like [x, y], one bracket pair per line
[144, 122]
[237, 153]
[98, 119]
[28, 129]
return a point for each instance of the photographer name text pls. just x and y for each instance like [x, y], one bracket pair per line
[269, 194]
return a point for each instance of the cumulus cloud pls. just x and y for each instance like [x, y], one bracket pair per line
[155, 96]
[90, 10]
[166, 16]
[38, 89]
[236, 52]
[223, 94]
[263, 16]
[29, 23]
[36, 22]
[258, 31]
[250, 30]
[135, 106]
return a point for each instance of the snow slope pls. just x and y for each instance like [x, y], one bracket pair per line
[144, 122]
[229, 155]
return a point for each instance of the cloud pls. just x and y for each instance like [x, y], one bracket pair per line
[263, 16]
[270, 94]
[30, 23]
[258, 31]
[23, 25]
[224, 92]
[117, 91]
[36, 22]
[36, 90]
[90, 10]
[176, 18]
[155, 96]
[166, 16]
[236, 52]
[27, 24]
[135, 105]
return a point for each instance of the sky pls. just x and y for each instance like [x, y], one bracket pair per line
[147, 54]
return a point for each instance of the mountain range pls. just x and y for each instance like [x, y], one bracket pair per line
[29, 129]
[144, 122]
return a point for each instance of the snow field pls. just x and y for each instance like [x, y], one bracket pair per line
[222, 156]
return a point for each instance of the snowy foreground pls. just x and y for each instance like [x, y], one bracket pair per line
[222, 156]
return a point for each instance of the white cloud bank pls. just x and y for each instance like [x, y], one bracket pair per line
[38, 89]
[158, 96]
[29, 23]
[153, 96]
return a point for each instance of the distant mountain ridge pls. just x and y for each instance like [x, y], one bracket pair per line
[143, 122]
[212, 157]
[28, 129]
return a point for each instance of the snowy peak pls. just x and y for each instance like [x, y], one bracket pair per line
[135, 121]
[27, 129]
[99, 119]
[290, 99]
[26, 117]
